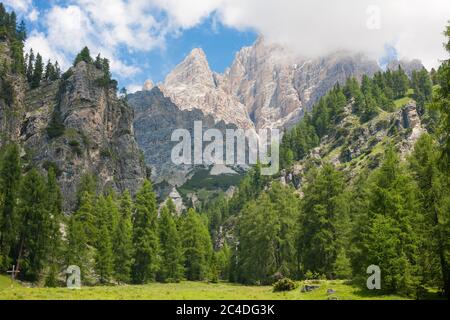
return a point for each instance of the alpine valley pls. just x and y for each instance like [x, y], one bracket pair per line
[86, 176]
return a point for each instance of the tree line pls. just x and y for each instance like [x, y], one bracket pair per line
[366, 100]
[396, 216]
[111, 237]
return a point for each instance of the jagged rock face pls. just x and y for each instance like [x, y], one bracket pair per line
[156, 118]
[98, 137]
[192, 85]
[11, 104]
[265, 87]
[353, 147]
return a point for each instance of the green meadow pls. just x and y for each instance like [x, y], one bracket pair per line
[10, 290]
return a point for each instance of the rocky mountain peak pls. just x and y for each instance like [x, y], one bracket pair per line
[193, 71]
[95, 134]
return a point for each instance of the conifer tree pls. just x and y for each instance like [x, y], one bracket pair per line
[84, 55]
[87, 184]
[86, 215]
[54, 203]
[197, 247]
[400, 83]
[435, 202]
[391, 238]
[77, 248]
[35, 226]
[267, 231]
[10, 173]
[423, 88]
[323, 207]
[30, 66]
[57, 71]
[171, 267]
[123, 240]
[37, 72]
[145, 236]
[103, 241]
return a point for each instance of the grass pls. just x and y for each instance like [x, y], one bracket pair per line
[186, 291]
[403, 101]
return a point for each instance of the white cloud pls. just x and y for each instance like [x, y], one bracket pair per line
[40, 43]
[309, 27]
[103, 26]
[187, 14]
[319, 27]
[134, 87]
[21, 6]
[33, 15]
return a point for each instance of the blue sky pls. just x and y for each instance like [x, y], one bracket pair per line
[219, 42]
[145, 39]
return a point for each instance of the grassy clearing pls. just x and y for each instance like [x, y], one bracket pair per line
[185, 291]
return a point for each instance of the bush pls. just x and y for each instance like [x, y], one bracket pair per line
[284, 284]
[56, 127]
[74, 143]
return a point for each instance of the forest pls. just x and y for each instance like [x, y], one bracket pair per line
[396, 216]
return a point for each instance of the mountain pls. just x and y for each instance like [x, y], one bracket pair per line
[156, 118]
[354, 147]
[407, 65]
[192, 85]
[75, 125]
[265, 87]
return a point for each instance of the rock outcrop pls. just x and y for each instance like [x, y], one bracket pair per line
[192, 85]
[77, 126]
[353, 146]
[265, 87]
[156, 118]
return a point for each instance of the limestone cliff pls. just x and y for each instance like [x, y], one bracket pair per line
[76, 125]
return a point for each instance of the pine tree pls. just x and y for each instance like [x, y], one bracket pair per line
[98, 62]
[87, 184]
[54, 203]
[37, 72]
[77, 248]
[400, 83]
[35, 226]
[57, 71]
[423, 88]
[267, 229]
[103, 241]
[440, 103]
[197, 247]
[49, 70]
[323, 207]
[145, 237]
[30, 66]
[391, 239]
[342, 267]
[435, 201]
[10, 174]
[123, 240]
[86, 216]
[171, 268]
[84, 55]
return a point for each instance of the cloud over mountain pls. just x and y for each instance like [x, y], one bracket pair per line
[310, 27]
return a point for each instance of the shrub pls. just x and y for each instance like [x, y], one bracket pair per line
[284, 284]
[48, 164]
[56, 127]
[74, 143]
